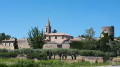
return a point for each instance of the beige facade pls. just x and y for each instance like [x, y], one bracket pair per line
[23, 43]
[9, 44]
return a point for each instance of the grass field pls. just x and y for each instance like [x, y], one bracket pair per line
[45, 63]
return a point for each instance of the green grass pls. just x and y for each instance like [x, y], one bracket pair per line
[45, 63]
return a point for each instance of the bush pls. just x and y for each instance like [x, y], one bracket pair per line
[39, 56]
[8, 55]
[3, 50]
[76, 45]
[73, 53]
[91, 53]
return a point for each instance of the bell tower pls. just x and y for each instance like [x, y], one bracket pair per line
[48, 27]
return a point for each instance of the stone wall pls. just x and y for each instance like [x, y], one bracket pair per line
[8, 46]
[108, 29]
[53, 45]
[23, 43]
[93, 59]
[50, 46]
[67, 46]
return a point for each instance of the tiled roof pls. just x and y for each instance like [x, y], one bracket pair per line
[57, 34]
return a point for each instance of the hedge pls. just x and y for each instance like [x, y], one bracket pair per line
[8, 55]
[39, 56]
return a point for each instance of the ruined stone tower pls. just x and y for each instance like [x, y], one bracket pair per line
[108, 29]
[48, 27]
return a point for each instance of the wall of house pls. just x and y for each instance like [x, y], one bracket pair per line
[8, 46]
[49, 46]
[23, 43]
[67, 46]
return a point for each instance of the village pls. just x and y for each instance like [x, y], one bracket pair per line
[59, 33]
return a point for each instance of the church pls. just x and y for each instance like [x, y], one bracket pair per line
[56, 40]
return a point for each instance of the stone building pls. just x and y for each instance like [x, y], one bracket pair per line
[108, 29]
[9, 44]
[55, 40]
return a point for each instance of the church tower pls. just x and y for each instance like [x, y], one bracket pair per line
[48, 27]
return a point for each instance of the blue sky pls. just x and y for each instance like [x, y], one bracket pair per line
[66, 16]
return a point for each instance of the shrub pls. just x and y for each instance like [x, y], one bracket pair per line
[3, 50]
[73, 53]
[39, 56]
[8, 55]
[27, 51]
[91, 53]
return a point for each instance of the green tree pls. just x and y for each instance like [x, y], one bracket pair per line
[7, 37]
[90, 44]
[103, 46]
[36, 38]
[16, 44]
[3, 37]
[54, 31]
[115, 47]
[90, 33]
[76, 45]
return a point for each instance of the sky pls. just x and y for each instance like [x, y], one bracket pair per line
[66, 16]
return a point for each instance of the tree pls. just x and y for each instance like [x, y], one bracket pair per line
[54, 31]
[3, 37]
[115, 47]
[36, 38]
[76, 45]
[103, 46]
[7, 37]
[90, 33]
[16, 44]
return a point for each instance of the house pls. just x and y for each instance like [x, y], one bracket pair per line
[56, 40]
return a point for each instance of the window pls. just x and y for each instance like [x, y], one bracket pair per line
[46, 29]
[9, 44]
[5, 44]
[62, 37]
[49, 38]
[55, 37]
[59, 46]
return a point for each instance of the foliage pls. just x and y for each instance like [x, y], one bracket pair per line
[45, 63]
[8, 55]
[76, 45]
[16, 44]
[115, 47]
[90, 44]
[3, 50]
[3, 36]
[73, 53]
[103, 46]
[39, 56]
[54, 31]
[91, 53]
[90, 33]
[36, 38]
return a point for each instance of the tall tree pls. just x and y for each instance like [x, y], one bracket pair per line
[103, 42]
[16, 44]
[54, 31]
[90, 33]
[36, 38]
